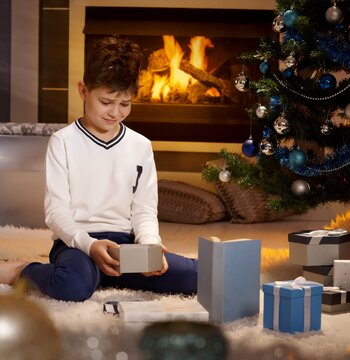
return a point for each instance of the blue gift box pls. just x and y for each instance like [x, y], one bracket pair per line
[292, 306]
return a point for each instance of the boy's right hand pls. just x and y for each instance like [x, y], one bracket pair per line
[100, 256]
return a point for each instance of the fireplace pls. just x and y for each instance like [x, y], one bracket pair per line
[189, 66]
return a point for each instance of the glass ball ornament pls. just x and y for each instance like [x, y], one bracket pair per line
[278, 24]
[267, 147]
[289, 18]
[242, 82]
[334, 14]
[297, 157]
[281, 125]
[27, 331]
[300, 187]
[290, 61]
[288, 73]
[224, 175]
[250, 148]
[326, 128]
[347, 111]
[261, 112]
[327, 82]
[274, 102]
[264, 67]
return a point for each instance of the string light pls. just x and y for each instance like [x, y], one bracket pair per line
[310, 97]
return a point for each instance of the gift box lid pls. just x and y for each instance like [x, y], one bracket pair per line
[319, 237]
[322, 269]
[334, 297]
[288, 291]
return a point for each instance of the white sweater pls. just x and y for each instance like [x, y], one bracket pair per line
[96, 186]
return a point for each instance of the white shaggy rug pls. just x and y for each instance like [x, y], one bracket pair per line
[88, 333]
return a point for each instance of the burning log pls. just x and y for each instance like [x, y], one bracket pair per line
[224, 86]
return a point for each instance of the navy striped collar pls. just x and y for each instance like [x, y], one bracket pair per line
[107, 145]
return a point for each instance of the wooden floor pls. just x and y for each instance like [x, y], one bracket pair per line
[183, 238]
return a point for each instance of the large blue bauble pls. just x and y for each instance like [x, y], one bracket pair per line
[327, 82]
[289, 18]
[250, 148]
[297, 158]
[264, 67]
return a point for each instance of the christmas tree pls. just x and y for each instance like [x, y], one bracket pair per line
[302, 108]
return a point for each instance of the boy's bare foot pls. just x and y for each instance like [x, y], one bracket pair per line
[10, 271]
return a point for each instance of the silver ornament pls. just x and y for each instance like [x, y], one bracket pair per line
[290, 61]
[242, 82]
[261, 112]
[347, 111]
[267, 147]
[281, 125]
[326, 128]
[334, 15]
[224, 175]
[278, 24]
[300, 187]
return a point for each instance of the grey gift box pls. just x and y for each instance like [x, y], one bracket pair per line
[311, 248]
[320, 274]
[137, 258]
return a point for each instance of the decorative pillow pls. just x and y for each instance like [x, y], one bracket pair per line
[184, 203]
[245, 205]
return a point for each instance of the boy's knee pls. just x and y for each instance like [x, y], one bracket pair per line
[71, 286]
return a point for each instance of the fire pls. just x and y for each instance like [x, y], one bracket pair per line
[175, 79]
[341, 221]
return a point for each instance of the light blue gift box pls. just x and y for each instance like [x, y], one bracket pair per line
[292, 306]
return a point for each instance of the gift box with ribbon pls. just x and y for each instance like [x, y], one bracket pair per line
[320, 274]
[335, 299]
[292, 306]
[318, 247]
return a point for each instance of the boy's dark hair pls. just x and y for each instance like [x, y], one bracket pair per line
[115, 63]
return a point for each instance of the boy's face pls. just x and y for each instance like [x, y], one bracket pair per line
[104, 110]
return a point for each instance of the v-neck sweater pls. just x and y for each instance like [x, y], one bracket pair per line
[98, 186]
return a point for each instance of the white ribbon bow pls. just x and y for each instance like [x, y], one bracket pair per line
[317, 235]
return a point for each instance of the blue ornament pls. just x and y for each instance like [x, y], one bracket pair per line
[297, 158]
[288, 73]
[267, 132]
[327, 82]
[264, 67]
[250, 148]
[275, 101]
[289, 18]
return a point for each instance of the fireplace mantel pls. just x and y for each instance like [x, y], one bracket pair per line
[77, 22]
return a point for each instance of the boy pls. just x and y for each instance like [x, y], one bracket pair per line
[101, 190]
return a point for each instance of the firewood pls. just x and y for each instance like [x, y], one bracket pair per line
[225, 86]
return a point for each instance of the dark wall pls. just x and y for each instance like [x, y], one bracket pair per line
[53, 61]
[5, 59]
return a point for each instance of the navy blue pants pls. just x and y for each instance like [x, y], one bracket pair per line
[71, 275]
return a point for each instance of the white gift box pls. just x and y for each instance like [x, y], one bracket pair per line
[341, 277]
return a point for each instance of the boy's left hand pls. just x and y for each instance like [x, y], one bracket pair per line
[164, 267]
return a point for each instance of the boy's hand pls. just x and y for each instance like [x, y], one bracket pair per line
[100, 256]
[164, 268]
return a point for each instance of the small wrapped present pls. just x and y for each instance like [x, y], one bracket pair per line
[320, 274]
[335, 300]
[292, 306]
[342, 274]
[318, 247]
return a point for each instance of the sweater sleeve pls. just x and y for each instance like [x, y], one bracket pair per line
[58, 215]
[145, 202]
